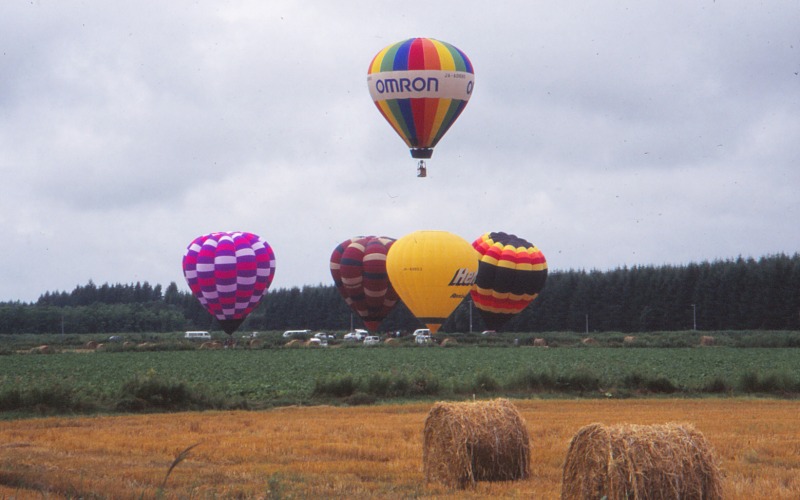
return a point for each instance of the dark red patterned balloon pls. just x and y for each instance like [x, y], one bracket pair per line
[358, 267]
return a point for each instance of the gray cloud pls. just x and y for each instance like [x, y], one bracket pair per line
[608, 134]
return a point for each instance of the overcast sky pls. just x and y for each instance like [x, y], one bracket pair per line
[607, 133]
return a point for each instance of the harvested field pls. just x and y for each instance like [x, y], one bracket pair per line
[363, 452]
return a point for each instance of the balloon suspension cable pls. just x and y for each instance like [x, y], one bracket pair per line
[422, 169]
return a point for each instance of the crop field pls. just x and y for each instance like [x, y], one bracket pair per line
[361, 452]
[272, 377]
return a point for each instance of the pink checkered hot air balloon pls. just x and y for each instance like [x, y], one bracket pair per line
[229, 273]
[358, 268]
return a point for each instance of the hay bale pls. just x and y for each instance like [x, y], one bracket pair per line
[706, 340]
[476, 441]
[449, 342]
[294, 343]
[640, 462]
[589, 341]
[128, 344]
[92, 344]
[539, 343]
[42, 349]
[629, 339]
[255, 343]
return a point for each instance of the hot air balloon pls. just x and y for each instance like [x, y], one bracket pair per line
[511, 273]
[229, 273]
[358, 267]
[432, 272]
[420, 86]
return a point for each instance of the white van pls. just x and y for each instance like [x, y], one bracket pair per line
[197, 335]
[422, 331]
[295, 333]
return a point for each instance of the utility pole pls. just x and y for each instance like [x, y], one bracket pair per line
[694, 317]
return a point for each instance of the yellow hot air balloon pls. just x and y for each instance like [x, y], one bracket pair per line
[432, 272]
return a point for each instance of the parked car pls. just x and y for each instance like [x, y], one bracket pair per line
[423, 339]
[316, 341]
[356, 335]
[421, 331]
[488, 332]
[295, 333]
[372, 340]
[324, 336]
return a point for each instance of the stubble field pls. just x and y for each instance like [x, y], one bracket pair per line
[360, 452]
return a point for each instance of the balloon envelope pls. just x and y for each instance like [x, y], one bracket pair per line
[229, 273]
[511, 273]
[358, 267]
[432, 272]
[420, 86]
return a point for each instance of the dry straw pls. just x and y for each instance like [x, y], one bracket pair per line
[476, 441]
[640, 462]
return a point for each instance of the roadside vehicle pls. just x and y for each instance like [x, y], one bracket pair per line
[372, 340]
[318, 342]
[423, 339]
[356, 335]
[421, 331]
[295, 333]
[197, 335]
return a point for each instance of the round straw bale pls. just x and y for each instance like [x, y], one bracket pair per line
[629, 339]
[91, 344]
[255, 343]
[706, 340]
[640, 462]
[539, 342]
[477, 441]
[589, 341]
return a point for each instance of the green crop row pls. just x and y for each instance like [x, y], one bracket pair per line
[267, 377]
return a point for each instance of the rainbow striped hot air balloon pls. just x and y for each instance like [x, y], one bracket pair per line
[421, 86]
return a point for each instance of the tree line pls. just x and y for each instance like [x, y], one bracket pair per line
[735, 294]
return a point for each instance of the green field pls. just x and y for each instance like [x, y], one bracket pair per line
[266, 377]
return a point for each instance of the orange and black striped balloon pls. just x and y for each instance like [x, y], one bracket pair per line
[511, 273]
